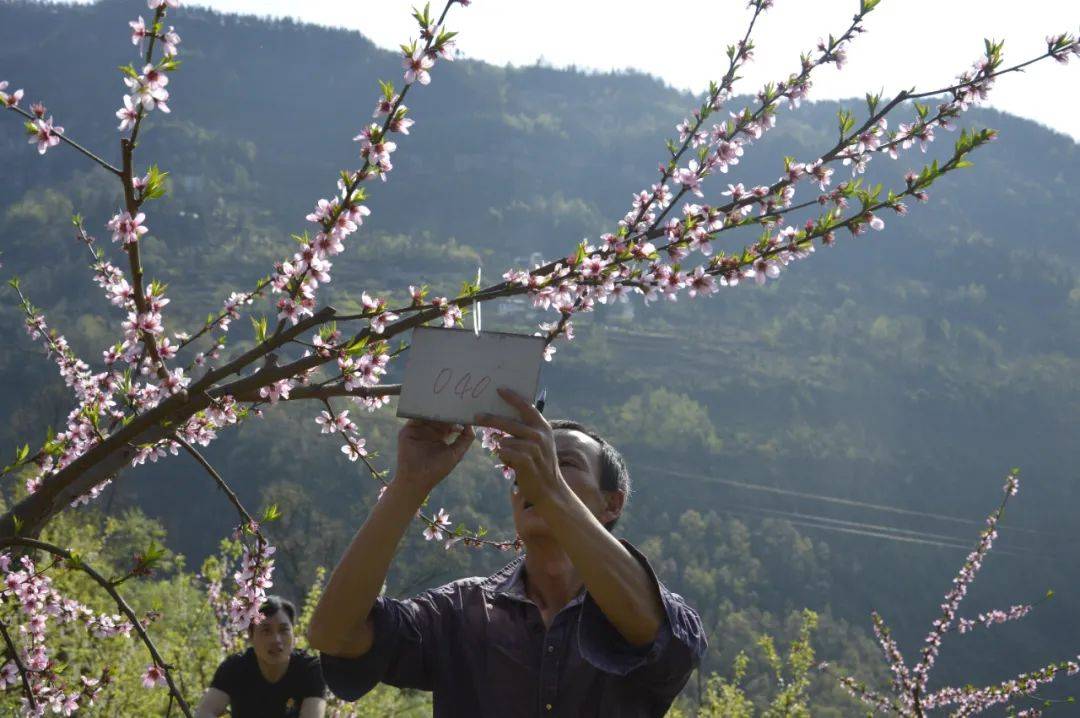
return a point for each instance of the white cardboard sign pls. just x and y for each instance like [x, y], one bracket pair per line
[452, 374]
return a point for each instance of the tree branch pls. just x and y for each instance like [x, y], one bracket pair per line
[72, 143]
[245, 517]
[326, 392]
[23, 672]
[120, 603]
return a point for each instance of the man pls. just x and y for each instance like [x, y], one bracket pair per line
[270, 679]
[578, 626]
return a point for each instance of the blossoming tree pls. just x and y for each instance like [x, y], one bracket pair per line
[157, 391]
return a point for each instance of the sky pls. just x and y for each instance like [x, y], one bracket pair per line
[920, 43]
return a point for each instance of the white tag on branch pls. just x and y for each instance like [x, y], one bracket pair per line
[452, 374]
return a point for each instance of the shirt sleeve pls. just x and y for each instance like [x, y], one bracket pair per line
[225, 676]
[403, 651]
[663, 666]
[312, 684]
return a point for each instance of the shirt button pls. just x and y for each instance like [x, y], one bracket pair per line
[551, 648]
[547, 707]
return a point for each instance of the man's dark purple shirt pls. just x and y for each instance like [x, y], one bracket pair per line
[481, 646]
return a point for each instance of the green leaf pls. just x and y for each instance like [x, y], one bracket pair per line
[155, 183]
[469, 288]
[260, 329]
[272, 513]
[872, 101]
[579, 256]
[356, 346]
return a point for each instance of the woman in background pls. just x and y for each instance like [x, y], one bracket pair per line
[271, 679]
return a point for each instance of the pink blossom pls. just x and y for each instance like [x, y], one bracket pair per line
[821, 174]
[45, 135]
[379, 321]
[689, 177]
[127, 229]
[736, 191]
[138, 30]
[440, 523]
[127, 114]
[324, 210]
[354, 449]
[169, 41]
[11, 100]
[64, 704]
[416, 67]
[332, 423]
[153, 676]
[278, 390]
[385, 105]
[400, 123]
[699, 282]
[148, 89]
[765, 269]
[328, 244]
[375, 148]
[9, 674]
[288, 309]
[451, 315]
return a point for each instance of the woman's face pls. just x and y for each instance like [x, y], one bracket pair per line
[273, 639]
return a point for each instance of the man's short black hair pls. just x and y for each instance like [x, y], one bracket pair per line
[272, 605]
[614, 476]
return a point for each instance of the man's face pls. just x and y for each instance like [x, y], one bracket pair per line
[579, 464]
[273, 639]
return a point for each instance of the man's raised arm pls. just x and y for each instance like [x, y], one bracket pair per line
[341, 625]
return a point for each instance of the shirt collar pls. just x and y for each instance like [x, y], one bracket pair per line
[510, 581]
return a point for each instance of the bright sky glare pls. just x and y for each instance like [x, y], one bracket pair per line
[923, 43]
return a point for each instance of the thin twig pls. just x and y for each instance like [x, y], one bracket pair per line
[121, 603]
[326, 392]
[245, 517]
[23, 672]
[72, 143]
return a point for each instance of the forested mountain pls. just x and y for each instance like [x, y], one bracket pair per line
[906, 370]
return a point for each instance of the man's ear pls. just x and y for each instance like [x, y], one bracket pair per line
[613, 506]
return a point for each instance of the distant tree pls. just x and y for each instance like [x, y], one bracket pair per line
[909, 694]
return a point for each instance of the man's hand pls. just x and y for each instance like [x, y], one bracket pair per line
[621, 587]
[342, 624]
[423, 456]
[529, 450]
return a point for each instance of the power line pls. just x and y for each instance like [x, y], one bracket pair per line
[859, 532]
[827, 523]
[838, 500]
